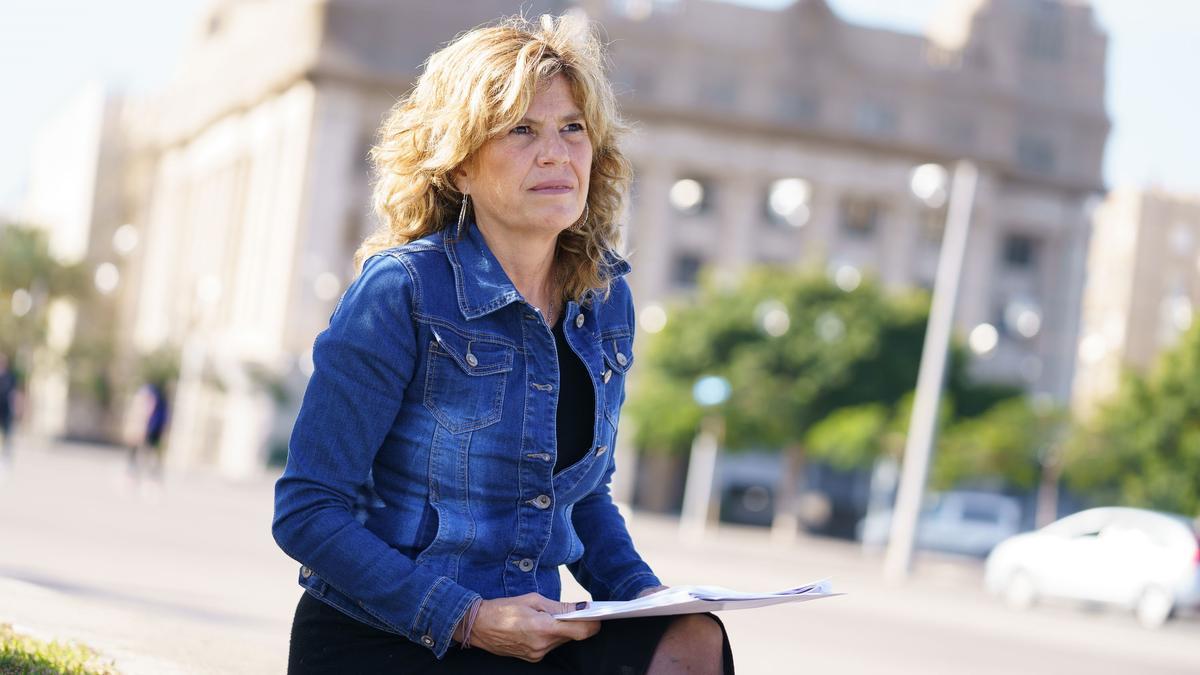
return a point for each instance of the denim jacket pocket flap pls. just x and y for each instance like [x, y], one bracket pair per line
[475, 357]
[618, 351]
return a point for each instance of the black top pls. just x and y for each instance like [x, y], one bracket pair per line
[576, 404]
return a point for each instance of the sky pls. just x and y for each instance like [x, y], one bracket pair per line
[50, 49]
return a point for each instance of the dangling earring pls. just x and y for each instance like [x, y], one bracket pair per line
[462, 215]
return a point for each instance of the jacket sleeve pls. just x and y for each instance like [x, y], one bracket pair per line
[362, 365]
[610, 568]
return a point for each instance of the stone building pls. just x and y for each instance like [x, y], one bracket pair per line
[789, 138]
[800, 109]
[1142, 287]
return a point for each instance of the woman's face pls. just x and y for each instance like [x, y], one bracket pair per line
[533, 178]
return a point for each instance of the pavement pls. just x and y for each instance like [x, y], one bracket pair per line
[183, 577]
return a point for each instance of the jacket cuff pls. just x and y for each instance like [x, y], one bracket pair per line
[442, 608]
[629, 588]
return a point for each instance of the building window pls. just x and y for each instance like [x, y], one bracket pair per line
[1182, 239]
[1035, 153]
[632, 79]
[860, 216]
[799, 107]
[932, 225]
[718, 91]
[640, 10]
[873, 117]
[215, 24]
[685, 270]
[691, 196]
[1020, 251]
[958, 130]
[979, 58]
[1045, 31]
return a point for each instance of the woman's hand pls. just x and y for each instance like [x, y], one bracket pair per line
[524, 626]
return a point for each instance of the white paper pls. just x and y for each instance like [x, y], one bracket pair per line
[695, 600]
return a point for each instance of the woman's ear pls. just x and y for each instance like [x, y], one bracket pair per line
[460, 179]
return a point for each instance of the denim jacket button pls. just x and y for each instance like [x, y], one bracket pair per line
[471, 360]
[542, 501]
[305, 572]
[525, 565]
[427, 640]
[607, 376]
[579, 321]
[621, 359]
[601, 450]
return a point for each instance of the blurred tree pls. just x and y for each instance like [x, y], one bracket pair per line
[1012, 441]
[1142, 448]
[29, 278]
[815, 370]
[160, 367]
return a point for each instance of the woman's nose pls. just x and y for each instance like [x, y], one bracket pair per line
[553, 151]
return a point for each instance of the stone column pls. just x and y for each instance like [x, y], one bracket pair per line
[650, 234]
[897, 242]
[739, 216]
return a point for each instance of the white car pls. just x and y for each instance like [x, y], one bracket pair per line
[964, 522]
[1142, 560]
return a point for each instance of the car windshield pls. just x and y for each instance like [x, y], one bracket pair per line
[980, 512]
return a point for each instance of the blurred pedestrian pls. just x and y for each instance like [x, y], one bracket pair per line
[471, 380]
[145, 422]
[10, 409]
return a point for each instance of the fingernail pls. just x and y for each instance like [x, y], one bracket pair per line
[580, 605]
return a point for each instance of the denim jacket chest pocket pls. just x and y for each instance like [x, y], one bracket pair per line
[465, 378]
[616, 345]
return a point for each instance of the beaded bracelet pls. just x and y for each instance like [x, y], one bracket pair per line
[471, 615]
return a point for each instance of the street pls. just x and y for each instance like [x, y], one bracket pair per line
[187, 579]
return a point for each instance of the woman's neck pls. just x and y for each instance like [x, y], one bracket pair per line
[529, 263]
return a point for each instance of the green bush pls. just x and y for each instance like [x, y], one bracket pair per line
[23, 655]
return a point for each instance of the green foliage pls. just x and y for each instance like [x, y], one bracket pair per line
[850, 437]
[27, 656]
[1011, 439]
[839, 349]
[1142, 448]
[26, 265]
[837, 383]
[159, 367]
[267, 380]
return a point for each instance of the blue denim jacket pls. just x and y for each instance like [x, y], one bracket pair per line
[432, 405]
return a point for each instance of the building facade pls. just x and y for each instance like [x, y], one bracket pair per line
[1142, 288]
[790, 139]
[800, 109]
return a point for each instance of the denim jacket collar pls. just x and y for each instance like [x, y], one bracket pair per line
[482, 285]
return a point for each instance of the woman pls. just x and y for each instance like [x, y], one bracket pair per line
[453, 449]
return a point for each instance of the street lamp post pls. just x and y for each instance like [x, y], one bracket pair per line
[709, 392]
[922, 429]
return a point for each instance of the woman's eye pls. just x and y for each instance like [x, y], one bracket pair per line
[574, 126]
[521, 129]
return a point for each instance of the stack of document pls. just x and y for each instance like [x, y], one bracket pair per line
[695, 600]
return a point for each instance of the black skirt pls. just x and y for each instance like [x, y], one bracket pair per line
[324, 640]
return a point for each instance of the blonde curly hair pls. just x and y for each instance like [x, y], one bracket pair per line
[477, 87]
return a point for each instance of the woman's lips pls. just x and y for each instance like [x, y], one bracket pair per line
[553, 187]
